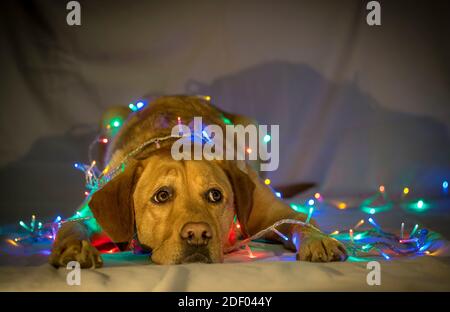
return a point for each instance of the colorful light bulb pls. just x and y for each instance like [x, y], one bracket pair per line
[310, 212]
[132, 107]
[342, 205]
[374, 224]
[385, 255]
[414, 230]
[226, 120]
[361, 222]
[280, 234]
[350, 233]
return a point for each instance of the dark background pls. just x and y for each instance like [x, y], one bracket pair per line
[358, 106]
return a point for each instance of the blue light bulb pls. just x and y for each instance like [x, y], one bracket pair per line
[139, 104]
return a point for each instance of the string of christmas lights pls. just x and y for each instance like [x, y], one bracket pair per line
[373, 241]
[38, 231]
[362, 244]
[379, 202]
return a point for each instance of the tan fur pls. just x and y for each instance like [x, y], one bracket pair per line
[125, 203]
[190, 180]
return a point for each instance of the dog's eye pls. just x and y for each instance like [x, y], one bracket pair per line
[162, 195]
[214, 196]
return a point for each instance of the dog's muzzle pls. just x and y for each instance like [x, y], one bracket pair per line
[195, 237]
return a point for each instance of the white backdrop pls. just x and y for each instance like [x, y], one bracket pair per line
[358, 106]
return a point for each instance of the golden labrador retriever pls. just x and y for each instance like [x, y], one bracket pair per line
[183, 210]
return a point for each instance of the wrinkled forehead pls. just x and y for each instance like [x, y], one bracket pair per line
[160, 169]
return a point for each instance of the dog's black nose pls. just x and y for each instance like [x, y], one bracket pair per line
[196, 233]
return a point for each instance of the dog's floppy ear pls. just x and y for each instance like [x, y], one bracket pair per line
[113, 206]
[243, 188]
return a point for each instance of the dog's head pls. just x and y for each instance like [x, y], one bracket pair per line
[181, 210]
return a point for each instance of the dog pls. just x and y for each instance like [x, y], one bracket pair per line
[183, 210]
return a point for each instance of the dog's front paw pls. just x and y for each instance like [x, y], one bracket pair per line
[321, 248]
[75, 250]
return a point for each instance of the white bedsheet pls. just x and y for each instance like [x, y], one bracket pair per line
[274, 269]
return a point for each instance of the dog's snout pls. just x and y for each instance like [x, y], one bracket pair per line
[196, 233]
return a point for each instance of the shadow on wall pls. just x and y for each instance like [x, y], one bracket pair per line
[335, 135]
[44, 182]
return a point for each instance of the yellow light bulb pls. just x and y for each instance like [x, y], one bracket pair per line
[361, 222]
[12, 242]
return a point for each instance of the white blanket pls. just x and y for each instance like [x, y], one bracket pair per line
[274, 269]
